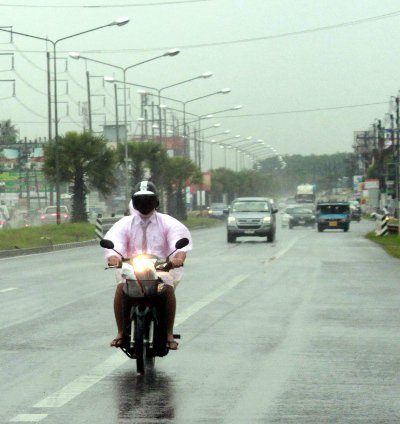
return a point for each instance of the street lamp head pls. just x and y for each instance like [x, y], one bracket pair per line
[74, 55]
[237, 107]
[217, 125]
[237, 136]
[227, 131]
[172, 52]
[208, 116]
[225, 90]
[109, 79]
[120, 21]
[207, 75]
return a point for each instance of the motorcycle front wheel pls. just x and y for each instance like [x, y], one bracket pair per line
[139, 345]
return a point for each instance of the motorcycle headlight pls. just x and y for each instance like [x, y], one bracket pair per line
[140, 264]
[231, 219]
[267, 219]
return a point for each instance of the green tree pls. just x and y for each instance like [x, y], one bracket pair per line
[144, 156]
[177, 172]
[223, 182]
[8, 132]
[85, 161]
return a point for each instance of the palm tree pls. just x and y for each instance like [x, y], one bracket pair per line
[144, 157]
[85, 161]
[8, 132]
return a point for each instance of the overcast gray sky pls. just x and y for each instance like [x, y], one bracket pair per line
[296, 66]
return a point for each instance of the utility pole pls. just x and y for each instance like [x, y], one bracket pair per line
[397, 165]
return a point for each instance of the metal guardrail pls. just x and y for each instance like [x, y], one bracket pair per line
[393, 228]
[104, 224]
[384, 225]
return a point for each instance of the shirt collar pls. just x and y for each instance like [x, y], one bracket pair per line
[137, 216]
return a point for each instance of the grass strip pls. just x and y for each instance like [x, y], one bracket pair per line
[390, 243]
[45, 235]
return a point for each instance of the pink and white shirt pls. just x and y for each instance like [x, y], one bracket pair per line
[163, 231]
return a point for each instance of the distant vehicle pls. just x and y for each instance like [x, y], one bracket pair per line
[216, 210]
[49, 215]
[355, 211]
[5, 212]
[301, 216]
[305, 193]
[333, 216]
[251, 216]
[287, 213]
[3, 221]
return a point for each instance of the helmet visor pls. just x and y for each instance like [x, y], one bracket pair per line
[145, 203]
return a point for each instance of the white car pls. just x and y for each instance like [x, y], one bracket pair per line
[49, 215]
[286, 216]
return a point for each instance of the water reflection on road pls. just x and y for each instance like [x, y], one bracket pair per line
[150, 396]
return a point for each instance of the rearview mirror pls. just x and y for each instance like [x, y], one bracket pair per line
[182, 243]
[107, 244]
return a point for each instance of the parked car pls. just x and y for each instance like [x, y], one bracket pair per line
[333, 216]
[49, 215]
[4, 223]
[301, 216]
[251, 216]
[216, 210]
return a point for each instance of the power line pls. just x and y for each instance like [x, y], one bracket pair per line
[288, 112]
[102, 6]
[246, 40]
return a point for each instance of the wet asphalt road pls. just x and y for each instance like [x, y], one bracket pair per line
[304, 330]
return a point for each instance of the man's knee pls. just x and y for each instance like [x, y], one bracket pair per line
[118, 289]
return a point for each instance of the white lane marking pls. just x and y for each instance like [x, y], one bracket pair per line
[8, 289]
[283, 251]
[28, 418]
[84, 382]
[76, 387]
[191, 310]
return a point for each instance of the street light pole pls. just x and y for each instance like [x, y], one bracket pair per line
[54, 43]
[76, 55]
[203, 75]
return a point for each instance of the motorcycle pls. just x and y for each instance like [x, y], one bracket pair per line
[143, 305]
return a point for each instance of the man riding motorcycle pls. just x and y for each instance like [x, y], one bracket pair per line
[152, 232]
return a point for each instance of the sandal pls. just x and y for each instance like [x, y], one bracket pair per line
[172, 345]
[117, 342]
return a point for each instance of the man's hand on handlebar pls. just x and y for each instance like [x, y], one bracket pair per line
[178, 260]
[114, 260]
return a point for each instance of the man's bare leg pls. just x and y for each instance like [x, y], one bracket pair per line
[170, 316]
[118, 315]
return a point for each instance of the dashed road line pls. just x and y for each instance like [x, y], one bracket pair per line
[28, 418]
[8, 289]
[83, 383]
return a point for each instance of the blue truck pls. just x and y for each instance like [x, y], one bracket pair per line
[333, 216]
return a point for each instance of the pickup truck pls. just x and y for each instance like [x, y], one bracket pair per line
[251, 216]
